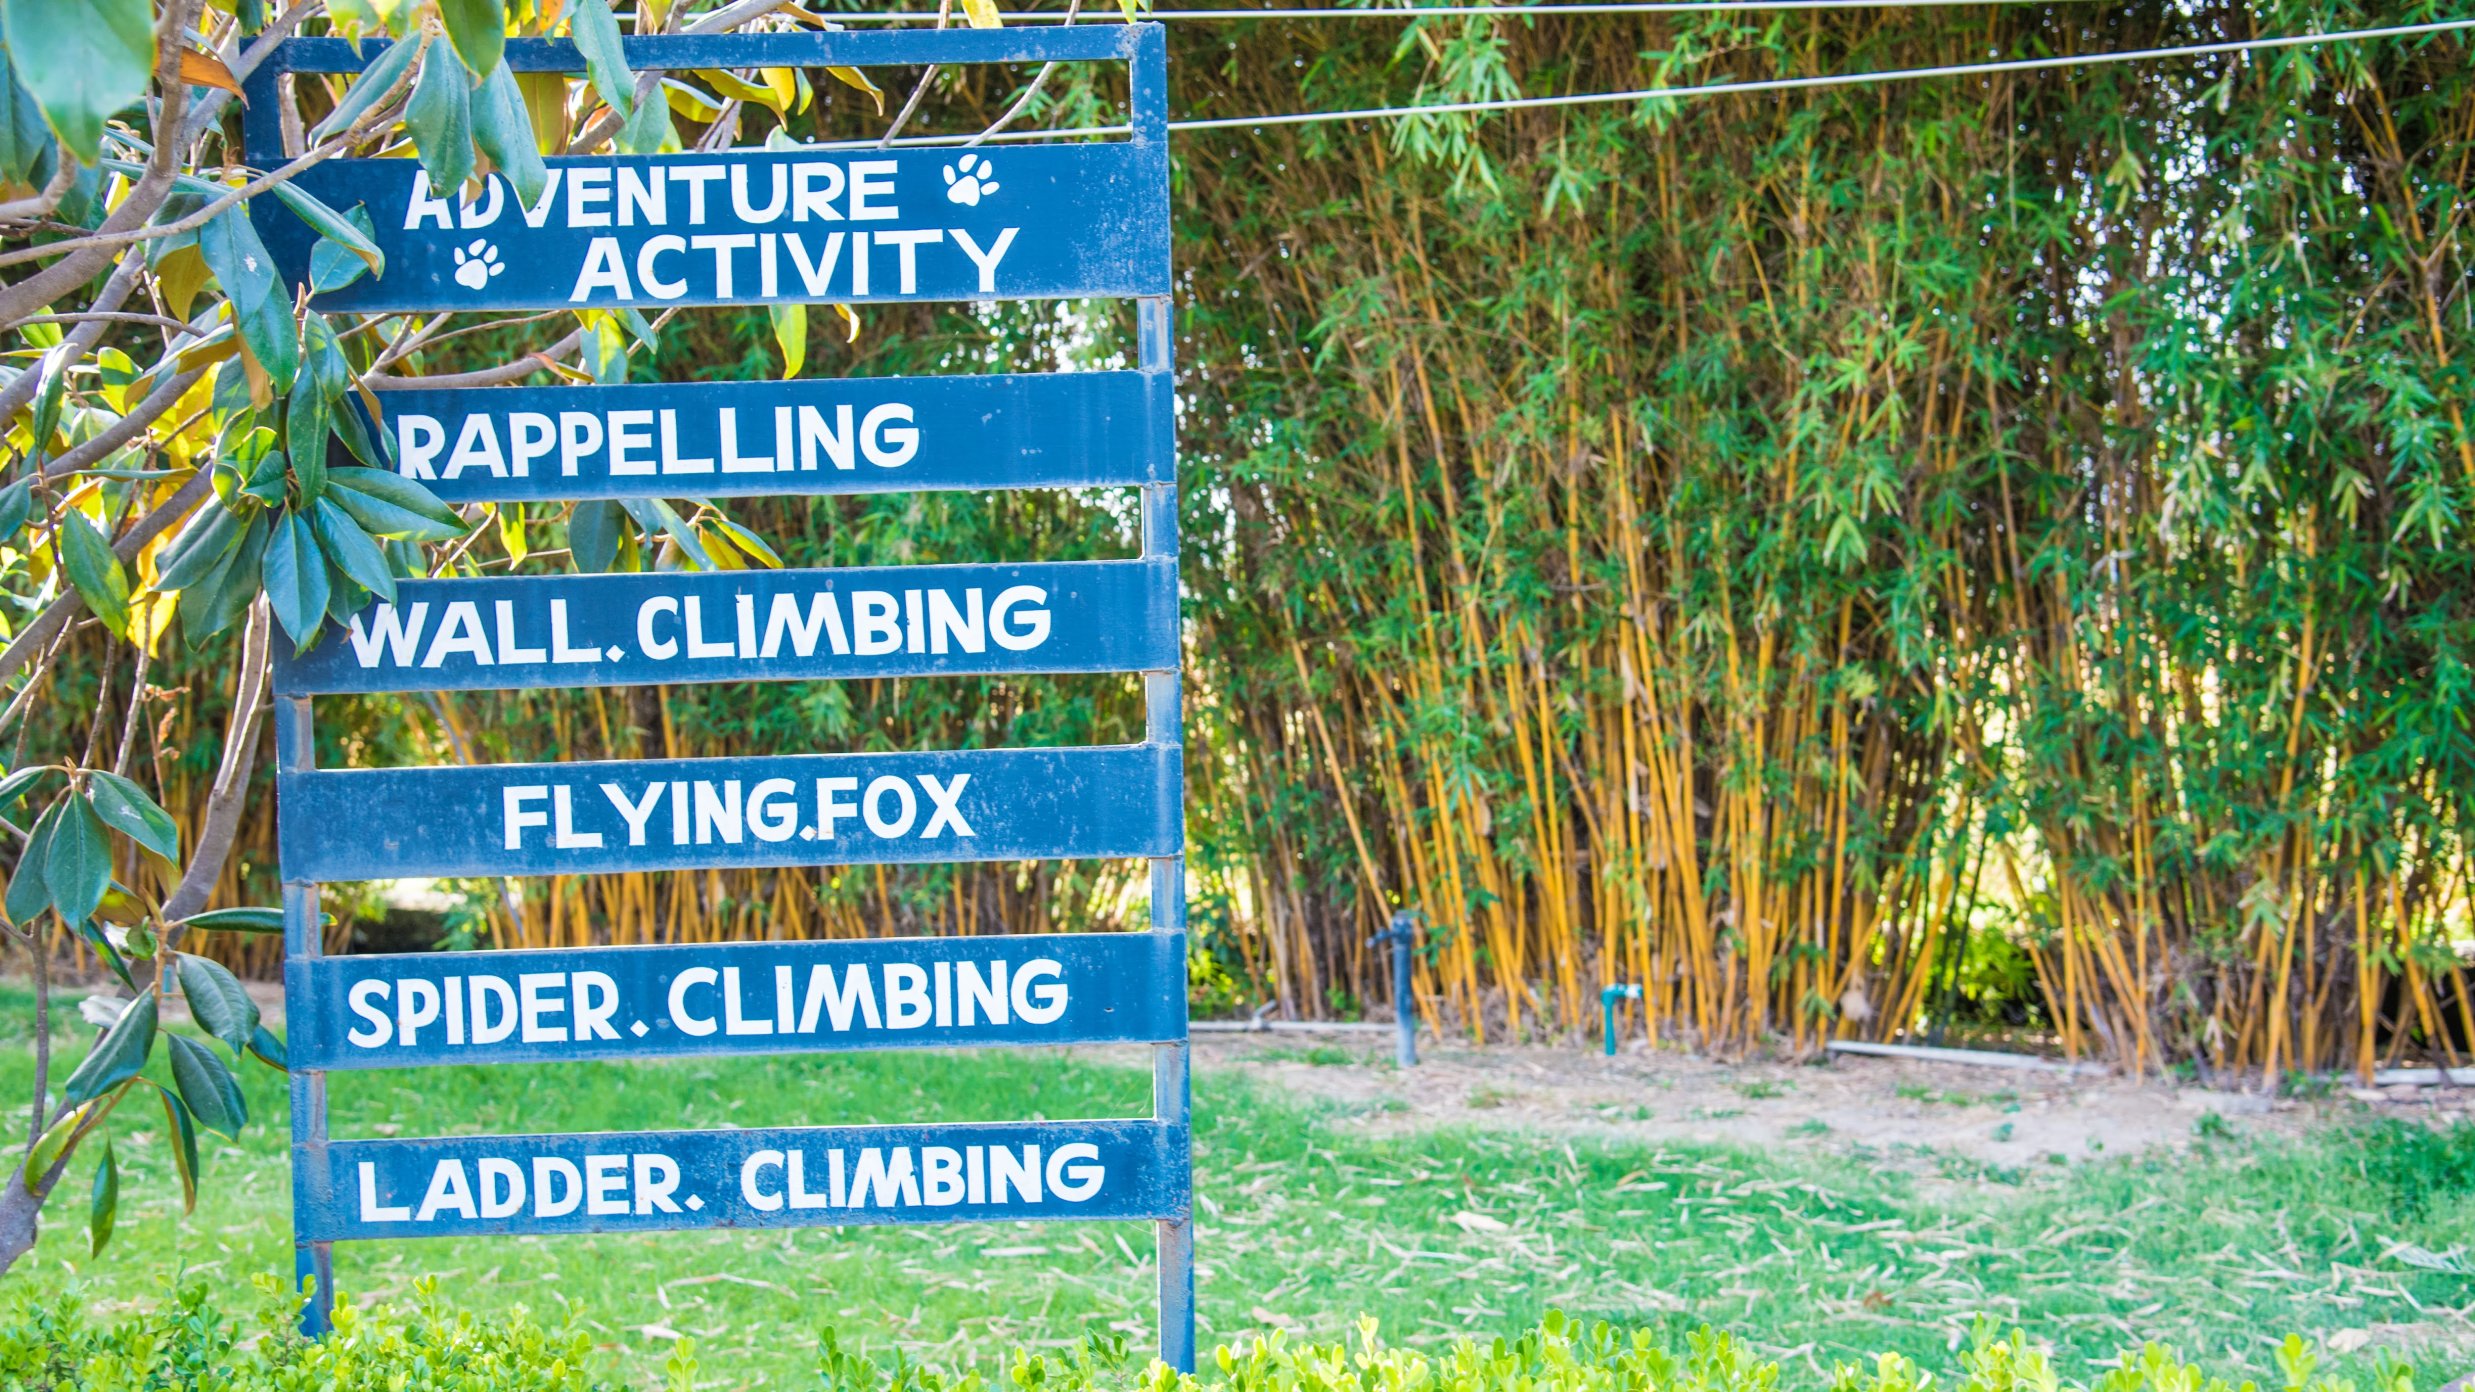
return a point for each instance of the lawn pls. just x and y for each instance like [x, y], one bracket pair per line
[1311, 1215]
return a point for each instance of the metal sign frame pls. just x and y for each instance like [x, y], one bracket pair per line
[314, 983]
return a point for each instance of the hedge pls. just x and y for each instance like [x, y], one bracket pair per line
[51, 1343]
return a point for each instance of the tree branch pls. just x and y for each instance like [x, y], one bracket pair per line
[222, 824]
[36, 635]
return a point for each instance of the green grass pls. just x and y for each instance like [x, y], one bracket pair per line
[1310, 1216]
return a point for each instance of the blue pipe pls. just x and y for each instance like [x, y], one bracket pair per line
[1607, 999]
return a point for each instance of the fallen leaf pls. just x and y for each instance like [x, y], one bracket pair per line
[1468, 1221]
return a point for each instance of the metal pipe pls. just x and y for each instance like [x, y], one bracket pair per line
[1607, 999]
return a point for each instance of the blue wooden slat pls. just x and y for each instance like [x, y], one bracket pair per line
[807, 49]
[813, 435]
[412, 1010]
[495, 634]
[690, 814]
[660, 1181]
[751, 227]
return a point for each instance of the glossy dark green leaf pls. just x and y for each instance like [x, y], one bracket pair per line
[230, 245]
[268, 1049]
[217, 1000]
[243, 920]
[503, 128]
[184, 1145]
[81, 61]
[219, 601]
[94, 571]
[593, 532]
[373, 83]
[16, 505]
[201, 547]
[18, 783]
[27, 897]
[596, 33]
[295, 574]
[307, 424]
[77, 865]
[103, 1199]
[478, 29]
[213, 1094]
[125, 808]
[352, 549]
[440, 119]
[24, 137]
[387, 504]
[333, 226]
[118, 1056]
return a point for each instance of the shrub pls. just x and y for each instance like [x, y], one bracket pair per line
[50, 1344]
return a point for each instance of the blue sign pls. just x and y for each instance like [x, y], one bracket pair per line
[804, 1177]
[751, 227]
[566, 1004]
[749, 625]
[813, 435]
[694, 814]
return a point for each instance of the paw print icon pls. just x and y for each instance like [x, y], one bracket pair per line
[968, 180]
[475, 264]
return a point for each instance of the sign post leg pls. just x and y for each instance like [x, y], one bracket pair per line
[296, 751]
[1164, 723]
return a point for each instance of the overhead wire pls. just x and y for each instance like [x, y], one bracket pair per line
[1776, 84]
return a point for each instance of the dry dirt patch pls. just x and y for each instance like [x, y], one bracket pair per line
[1994, 1116]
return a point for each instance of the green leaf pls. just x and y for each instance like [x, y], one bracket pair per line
[669, 521]
[387, 504]
[52, 371]
[269, 1049]
[308, 421]
[184, 1145]
[82, 62]
[213, 1095]
[244, 920]
[333, 226]
[24, 138]
[478, 29]
[790, 329]
[217, 1000]
[77, 865]
[16, 505]
[374, 82]
[503, 128]
[295, 573]
[219, 601]
[596, 33]
[749, 542]
[15, 785]
[201, 548]
[351, 549]
[27, 896]
[118, 1056]
[238, 258]
[440, 120]
[648, 128]
[270, 339]
[593, 532]
[125, 808]
[97, 574]
[334, 265]
[103, 1202]
[56, 1141]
